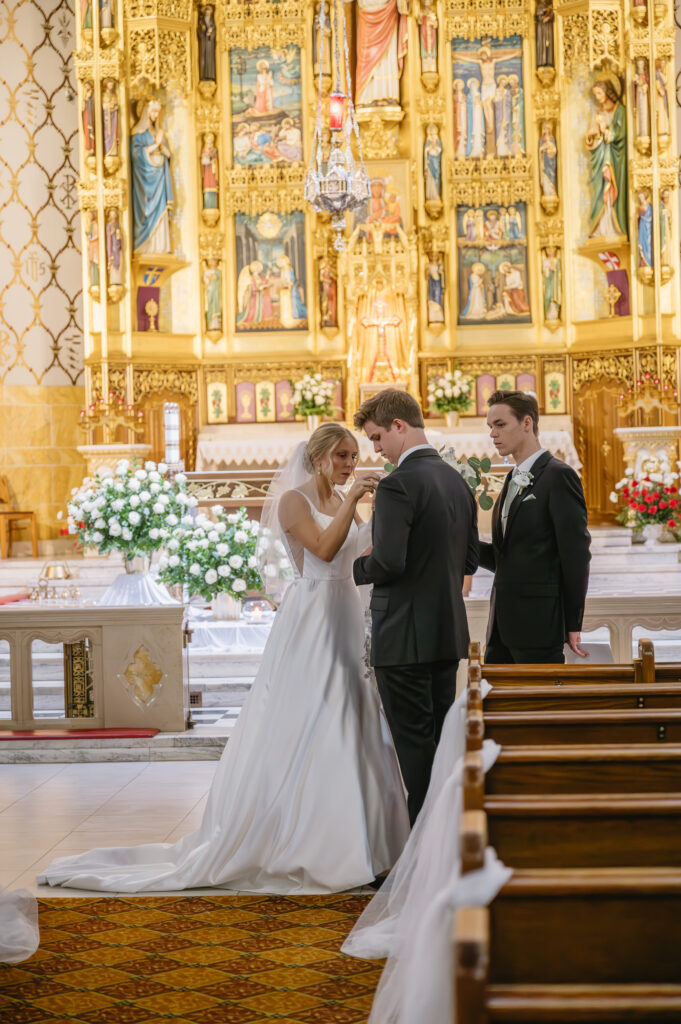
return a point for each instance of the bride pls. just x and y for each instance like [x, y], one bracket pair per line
[307, 797]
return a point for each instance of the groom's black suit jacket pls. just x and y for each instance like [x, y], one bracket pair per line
[541, 563]
[425, 537]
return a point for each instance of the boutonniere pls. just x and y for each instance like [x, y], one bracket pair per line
[523, 479]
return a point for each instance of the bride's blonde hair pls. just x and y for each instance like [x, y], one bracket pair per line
[321, 446]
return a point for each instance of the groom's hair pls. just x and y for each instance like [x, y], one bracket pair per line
[386, 406]
[521, 404]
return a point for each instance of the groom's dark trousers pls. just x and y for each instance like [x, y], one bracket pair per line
[540, 565]
[425, 539]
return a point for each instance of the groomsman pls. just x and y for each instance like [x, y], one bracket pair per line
[540, 544]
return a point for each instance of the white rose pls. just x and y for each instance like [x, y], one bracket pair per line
[119, 488]
[134, 518]
[252, 562]
[149, 465]
[134, 485]
[167, 486]
[154, 533]
[236, 561]
[173, 544]
[181, 498]
[319, 400]
[145, 496]
[233, 518]
[122, 466]
[118, 504]
[220, 528]
[141, 474]
[162, 468]
[307, 394]
[213, 535]
[156, 477]
[614, 497]
[448, 392]
[192, 545]
[628, 472]
[174, 561]
[187, 521]
[224, 570]
[134, 500]
[255, 527]
[195, 569]
[192, 502]
[99, 524]
[97, 537]
[180, 478]
[210, 576]
[203, 544]
[240, 536]
[127, 534]
[172, 519]
[439, 392]
[157, 507]
[238, 586]
[296, 397]
[222, 550]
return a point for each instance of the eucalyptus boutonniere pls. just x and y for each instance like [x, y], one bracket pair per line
[523, 479]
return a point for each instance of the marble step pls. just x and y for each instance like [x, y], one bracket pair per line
[200, 744]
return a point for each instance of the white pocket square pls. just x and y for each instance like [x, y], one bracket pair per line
[530, 497]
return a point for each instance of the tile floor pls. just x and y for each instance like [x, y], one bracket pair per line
[49, 811]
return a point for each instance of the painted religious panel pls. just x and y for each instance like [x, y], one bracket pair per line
[489, 115]
[492, 261]
[270, 267]
[388, 207]
[266, 105]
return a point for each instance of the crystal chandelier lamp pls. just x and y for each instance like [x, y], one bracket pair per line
[341, 184]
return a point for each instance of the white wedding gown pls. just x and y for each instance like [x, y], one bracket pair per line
[307, 797]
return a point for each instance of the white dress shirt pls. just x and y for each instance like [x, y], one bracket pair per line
[513, 487]
[415, 448]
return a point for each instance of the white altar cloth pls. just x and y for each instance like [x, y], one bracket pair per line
[234, 635]
[265, 445]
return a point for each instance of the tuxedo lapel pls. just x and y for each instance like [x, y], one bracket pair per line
[497, 532]
[537, 469]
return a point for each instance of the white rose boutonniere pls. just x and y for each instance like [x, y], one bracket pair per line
[523, 479]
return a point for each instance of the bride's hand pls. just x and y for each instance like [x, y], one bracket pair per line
[365, 484]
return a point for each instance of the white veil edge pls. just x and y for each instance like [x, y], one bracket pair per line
[19, 932]
[276, 564]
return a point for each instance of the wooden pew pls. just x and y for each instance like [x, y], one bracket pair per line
[567, 945]
[577, 830]
[548, 728]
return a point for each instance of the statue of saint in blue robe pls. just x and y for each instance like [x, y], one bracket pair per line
[645, 232]
[152, 190]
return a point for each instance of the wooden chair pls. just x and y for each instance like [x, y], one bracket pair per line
[8, 516]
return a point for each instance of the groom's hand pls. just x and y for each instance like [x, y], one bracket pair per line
[574, 640]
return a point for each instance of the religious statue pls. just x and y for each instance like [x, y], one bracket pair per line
[517, 116]
[111, 125]
[662, 104]
[114, 252]
[548, 168]
[328, 293]
[641, 89]
[207, 33]
[384, 355]
[292, 308]
[212, 285]
[209, 179]
[502, 116]
[475, 141]
[639, 11]
[428, 26]
[432, 171]
[322, 43]
[86, 18]
[544, 17]
[606, 140]
[92, 236]
[382, 32]
[553, 284]
[644, 232]
[152, 190]
[435, 273]
[666, 254]
[107, 20]
[460, 119]
[88, 120]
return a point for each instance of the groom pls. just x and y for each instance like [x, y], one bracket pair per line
[425, 537]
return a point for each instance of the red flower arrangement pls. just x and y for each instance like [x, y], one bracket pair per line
[647, 501]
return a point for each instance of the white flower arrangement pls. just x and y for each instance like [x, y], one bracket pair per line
[117, 513]
[452, 392]
[213, 555]
[313, 396]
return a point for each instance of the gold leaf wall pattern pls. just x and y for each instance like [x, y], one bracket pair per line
[41, 333]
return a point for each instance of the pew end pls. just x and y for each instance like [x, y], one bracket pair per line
[473, 782]
[474, 652]
[473, 840]
[475, 729]
[471, 961]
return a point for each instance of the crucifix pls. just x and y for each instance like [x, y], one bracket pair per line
[381, 362]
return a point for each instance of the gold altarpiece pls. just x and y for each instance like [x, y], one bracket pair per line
[484, 243]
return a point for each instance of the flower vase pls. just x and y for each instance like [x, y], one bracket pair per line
[136, 586]
[313, 422]
[652, 533]
[224, 606]
[452, 419]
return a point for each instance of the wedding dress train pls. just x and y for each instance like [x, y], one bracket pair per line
[307, 797]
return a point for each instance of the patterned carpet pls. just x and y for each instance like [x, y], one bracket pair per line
[205, 960]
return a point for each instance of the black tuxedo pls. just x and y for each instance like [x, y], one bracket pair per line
[540, 565]
[425, 538]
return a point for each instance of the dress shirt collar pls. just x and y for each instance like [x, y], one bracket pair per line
[529, 462]
[416, 448]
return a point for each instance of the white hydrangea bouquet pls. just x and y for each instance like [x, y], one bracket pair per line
[312, 396]
[452, 392]
[214, 555]
[135, 510]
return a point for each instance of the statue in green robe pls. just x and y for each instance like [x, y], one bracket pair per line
[606, 141]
